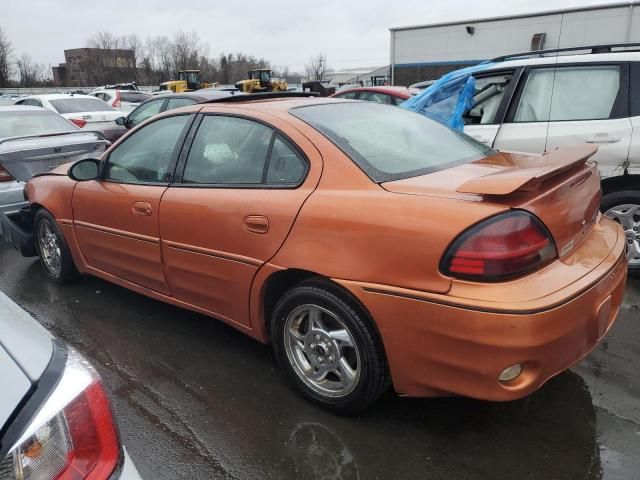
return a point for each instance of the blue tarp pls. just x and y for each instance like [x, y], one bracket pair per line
[448, 98]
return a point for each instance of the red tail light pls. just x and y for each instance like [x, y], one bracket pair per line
[79, 122]
[116, 102]
[503, 247]
[4, 175]
[73, 437]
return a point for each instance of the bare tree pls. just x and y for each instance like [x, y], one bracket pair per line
[30, 73]
[5, 63]
[317, 67]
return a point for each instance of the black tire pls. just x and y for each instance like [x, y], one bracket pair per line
[373, 379]
[629, 197]
[67, 270]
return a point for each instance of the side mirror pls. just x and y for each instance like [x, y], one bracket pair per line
[83, 170]
[121, 121]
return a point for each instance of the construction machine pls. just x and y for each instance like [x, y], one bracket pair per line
[188, 80]
[260, 81]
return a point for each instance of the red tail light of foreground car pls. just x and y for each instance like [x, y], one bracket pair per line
[73, 436]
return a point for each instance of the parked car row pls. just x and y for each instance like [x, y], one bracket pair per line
[281, 214]
[282, 217]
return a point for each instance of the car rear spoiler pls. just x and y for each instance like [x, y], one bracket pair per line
[550, 164]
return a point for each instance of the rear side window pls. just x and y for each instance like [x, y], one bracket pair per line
[179, 102]
[73, 105]
[348, 95]
[286, 165]
[145, 111]
[569, 93]
[391, 143]
[374, 97]
[228, 150]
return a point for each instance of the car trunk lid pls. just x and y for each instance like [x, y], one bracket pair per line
[559, 187]
[24, 157]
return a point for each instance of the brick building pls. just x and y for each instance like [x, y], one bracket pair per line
[85, 67]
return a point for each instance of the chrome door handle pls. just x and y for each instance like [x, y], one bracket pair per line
[603, 139]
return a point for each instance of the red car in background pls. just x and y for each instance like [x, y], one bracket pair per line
[388, 95]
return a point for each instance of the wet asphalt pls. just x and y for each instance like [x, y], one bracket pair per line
[196, 399]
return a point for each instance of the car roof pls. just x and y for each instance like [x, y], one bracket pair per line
[395, 91]
[275, 106]
[562, 59]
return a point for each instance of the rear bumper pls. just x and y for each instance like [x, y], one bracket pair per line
[16, 230]
[436, 349]
[11, 196]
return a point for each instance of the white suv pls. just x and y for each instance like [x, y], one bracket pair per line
[538, 103]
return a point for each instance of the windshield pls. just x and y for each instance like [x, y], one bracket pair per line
[390, 143]
[18, 124]
[81, 104]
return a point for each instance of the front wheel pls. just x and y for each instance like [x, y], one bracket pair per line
[624, 208]
[328, 348]
[55, 257]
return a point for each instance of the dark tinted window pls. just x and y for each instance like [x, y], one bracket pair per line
[228, 150]
[84, 104]
[391, 143]
[134, 97]
[145, 156]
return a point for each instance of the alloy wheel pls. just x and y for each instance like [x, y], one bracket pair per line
[628, 215]
[49, 248]
[322, 350]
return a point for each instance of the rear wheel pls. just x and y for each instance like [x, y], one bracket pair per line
[328, 348]
[54, 254]
[624, 208]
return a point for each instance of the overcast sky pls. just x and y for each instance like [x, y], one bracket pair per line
[351, 33]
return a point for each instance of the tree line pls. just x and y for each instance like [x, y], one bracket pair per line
[155, 60]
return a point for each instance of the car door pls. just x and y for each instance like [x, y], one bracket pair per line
[240, 188]
[569, 105]
[590, 104]
[493, 91]
[115, 218]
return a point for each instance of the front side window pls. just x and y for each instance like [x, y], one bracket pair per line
[145, 111]
[391, 143]
[145, 156]
[569, 93]
[228, 150]
[486, 100]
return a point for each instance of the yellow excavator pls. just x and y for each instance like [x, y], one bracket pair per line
[188, 81]
[260, 80]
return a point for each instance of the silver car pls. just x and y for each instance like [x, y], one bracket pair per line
[55, 417]
[34, 140]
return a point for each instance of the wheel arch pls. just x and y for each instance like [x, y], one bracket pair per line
[279, 282]
[619, 183]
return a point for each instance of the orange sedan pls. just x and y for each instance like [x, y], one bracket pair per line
[371, 246]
